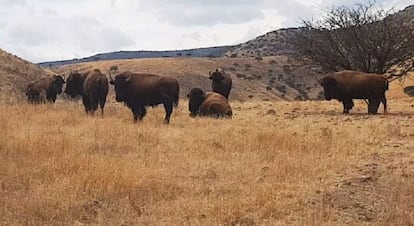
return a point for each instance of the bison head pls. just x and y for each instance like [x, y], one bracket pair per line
[57, 83]
[74, 84]
[121, 83]
[329, 85]
[196, 98]
[217, 76]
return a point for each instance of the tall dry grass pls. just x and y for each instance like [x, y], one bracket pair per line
[60, 166]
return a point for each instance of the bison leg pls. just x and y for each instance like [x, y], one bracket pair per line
[138, 113]
[51, 98]
[373, 104]
[86, 104]
[143, 112]
[384, 102]
[168, 106]
[94, 106]
[348, 105]
[102, 104]
[135, 114]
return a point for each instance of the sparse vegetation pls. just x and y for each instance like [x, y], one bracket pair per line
[364, 37]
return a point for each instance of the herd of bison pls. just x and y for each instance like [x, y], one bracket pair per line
[140, 90]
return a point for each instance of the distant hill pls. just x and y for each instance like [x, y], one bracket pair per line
[15, 74]
[274, 43]
[200, 52]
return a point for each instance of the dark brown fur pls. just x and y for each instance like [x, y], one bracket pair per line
[52, 86]
[36, 95]
[209, 104]
[92, 86]
[221, 82]
[348, 85]
[138, 90]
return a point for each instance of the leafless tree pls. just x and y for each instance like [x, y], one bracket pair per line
[363, 37]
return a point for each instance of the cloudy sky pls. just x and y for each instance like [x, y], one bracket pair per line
[45, 30]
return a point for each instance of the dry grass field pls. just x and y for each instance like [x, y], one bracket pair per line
[274, 163]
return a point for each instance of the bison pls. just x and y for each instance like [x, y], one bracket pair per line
[138, 90]
[221, 82]
[52, 86]
[208, 104]
[348, 85]
[36, 95]
[92, 86]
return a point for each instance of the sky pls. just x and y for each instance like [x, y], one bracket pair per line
[49, 30]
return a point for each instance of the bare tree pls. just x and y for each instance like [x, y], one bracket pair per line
[364, 38]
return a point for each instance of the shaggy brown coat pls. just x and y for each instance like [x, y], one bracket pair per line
[209, 104]
[138, 90]
[52, 86]
[36, 95]
[348, 85]
[92, 86]
[221, 82]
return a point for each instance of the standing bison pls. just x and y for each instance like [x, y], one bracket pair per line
[92, 86]
[221, 82]
[208, 104]
[48, 86]
[138, 90]
[348, 85]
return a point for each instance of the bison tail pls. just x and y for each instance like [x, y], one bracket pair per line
[386, 84]
[176, 100]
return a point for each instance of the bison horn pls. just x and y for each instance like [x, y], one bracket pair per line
[209, 73]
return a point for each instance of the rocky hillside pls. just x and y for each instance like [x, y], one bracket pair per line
[274, 43]
[15, 74]
[278, 42]
[271, 78]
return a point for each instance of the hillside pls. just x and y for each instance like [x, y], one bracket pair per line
[210, 52]
[278, 42]
[273, 78]
[273, 43]
[15, 74]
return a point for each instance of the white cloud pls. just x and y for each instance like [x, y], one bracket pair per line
[43, 30]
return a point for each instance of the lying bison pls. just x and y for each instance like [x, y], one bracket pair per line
[208, 104]
[348, 85]
[51, 86]
[221, 82]
[138, 90]
[92, 86]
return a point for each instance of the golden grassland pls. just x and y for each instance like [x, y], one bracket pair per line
[274, 163]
